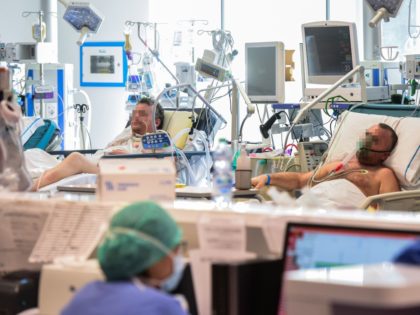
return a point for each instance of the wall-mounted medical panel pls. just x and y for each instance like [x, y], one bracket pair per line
[103, 64]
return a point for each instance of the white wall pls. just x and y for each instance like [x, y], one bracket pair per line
[108, 112]
[13, 27]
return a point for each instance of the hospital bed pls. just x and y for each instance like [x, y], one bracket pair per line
[404, 160]
[40, 133]
[402, 200]
[177, 123]
[393, 110]
[346, 135]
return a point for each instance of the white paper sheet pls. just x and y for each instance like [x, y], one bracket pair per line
[221, 233]
[72, 231]
[21, 225]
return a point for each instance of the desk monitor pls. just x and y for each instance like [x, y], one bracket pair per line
[329, 50]
[322, 246]
[265, 72]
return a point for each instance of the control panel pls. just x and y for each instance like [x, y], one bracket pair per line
[310, 154]
[154, 141]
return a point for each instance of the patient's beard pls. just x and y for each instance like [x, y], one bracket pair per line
[139, 128]
[364, 158]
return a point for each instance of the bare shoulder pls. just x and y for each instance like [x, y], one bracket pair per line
[388, 180]
[386, 173]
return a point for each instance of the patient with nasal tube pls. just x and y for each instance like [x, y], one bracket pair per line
[141, 259]
[129, 141]
[345, 183]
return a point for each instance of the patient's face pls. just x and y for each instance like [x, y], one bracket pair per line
[375, 146]
[141, 120]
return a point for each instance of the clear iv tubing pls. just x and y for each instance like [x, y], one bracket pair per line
[206, 148]
[208, 156]
[345, 161]
[182, 155]
[187, 163]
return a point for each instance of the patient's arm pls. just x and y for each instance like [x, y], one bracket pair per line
[74, 164]
[118, 152]
[291, 180]
[287, 181]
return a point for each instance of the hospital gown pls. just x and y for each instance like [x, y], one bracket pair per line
[121, 298]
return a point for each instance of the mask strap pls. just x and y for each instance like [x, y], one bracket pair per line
[123, 230]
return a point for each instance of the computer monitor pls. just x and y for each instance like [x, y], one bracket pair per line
[329, 50]
[265, 72]
[319, 246]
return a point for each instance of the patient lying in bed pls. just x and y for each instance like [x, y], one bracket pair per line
[338, 185]
[125, 143]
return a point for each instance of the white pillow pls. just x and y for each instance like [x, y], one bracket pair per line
[404, 160]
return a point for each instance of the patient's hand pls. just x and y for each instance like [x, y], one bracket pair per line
[259, 181]
[118, 152]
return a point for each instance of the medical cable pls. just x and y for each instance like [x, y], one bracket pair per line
[206, 149]
[88, 134]
[154, 53]
[241, 128]
[221, 96]
[173, 148]
[411, 161]
[188, 166]
[289, 163]
[209, 160]
[335, 175]
[293, 165]
[259, 115]
[417, 107]
[180, 152]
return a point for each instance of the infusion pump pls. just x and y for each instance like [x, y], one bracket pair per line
[310, 154]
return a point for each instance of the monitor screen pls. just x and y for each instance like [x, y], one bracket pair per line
[330, 51]
[265, 74]
[261, 71]
[318, 246]
[102, 64]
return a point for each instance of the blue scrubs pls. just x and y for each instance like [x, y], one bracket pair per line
[121, 298]
[410, 255]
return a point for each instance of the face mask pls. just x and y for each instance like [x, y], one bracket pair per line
[170, 283]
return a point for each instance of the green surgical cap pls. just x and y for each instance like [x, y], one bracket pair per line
[125, 255]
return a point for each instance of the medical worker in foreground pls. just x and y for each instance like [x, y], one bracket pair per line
[140, 259]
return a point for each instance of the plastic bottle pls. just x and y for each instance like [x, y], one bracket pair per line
[243, 170]
[222, 175]
[148, 76]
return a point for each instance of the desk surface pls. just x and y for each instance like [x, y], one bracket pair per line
[267, 221]
[253, 212]
[184, 192]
